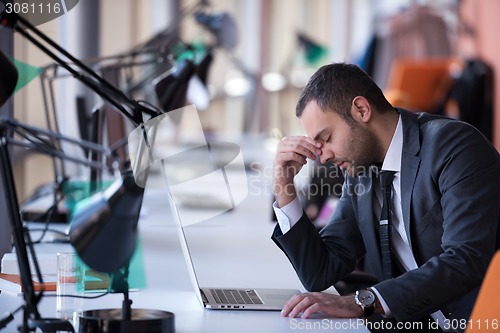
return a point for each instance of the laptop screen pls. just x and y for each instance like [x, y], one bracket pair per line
[185, 249]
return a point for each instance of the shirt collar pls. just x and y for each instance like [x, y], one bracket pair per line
[392, 160]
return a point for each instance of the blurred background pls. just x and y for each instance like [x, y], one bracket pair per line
[243, 64]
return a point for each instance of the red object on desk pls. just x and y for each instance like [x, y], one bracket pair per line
[12, 283]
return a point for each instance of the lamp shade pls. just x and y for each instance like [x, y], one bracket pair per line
[313, 51]
[203, 67]
[103, 229]
[171, 89]
[8, 78]
[222, 26]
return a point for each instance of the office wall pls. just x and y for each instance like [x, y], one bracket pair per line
[31, 170]
[267, 42]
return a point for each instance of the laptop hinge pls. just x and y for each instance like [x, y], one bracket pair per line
[203, 297]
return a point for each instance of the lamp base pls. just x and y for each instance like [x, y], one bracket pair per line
[142, 320]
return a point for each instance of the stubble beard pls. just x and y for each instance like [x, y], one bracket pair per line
[363, 146]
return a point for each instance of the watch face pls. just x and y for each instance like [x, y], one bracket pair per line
[365, 297]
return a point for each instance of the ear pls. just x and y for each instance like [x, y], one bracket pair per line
[361, 110]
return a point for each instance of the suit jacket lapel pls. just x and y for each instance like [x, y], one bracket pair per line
[410, 162]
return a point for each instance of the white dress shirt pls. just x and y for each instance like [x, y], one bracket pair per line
[290, 214]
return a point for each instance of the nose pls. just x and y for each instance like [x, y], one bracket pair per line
[326, 155]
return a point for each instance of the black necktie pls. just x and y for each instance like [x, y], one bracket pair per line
[386, 178]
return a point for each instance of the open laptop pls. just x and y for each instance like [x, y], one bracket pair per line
[230, 298]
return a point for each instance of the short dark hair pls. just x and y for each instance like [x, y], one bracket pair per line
[335, 85]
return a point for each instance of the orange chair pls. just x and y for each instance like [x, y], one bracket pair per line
[419, 84]
[485, 315]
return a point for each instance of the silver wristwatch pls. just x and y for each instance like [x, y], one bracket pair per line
[365, 298]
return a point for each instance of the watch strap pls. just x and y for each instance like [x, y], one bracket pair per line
[368, 311]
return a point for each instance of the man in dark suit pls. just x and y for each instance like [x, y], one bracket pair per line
[443, 205]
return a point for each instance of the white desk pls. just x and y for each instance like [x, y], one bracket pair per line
[231, 250]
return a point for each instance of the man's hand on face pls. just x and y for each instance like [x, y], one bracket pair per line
[291, 155]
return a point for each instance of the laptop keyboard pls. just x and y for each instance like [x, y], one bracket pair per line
[235, 296]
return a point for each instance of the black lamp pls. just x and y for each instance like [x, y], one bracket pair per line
[203, 67]
[222, 26]
[32, 319]
[103, 230]
[107, 222]
[171, 89]
[104, 233]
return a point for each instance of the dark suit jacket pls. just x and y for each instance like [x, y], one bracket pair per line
[450, 197]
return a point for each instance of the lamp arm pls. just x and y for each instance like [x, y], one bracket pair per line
[57, 154]
[128, 107]
[37, 142]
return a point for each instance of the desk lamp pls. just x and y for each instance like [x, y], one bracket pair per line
[32, 319]
[104, 233]
[171, 89]
[222, 26]
[107, 224]
[96, 225]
